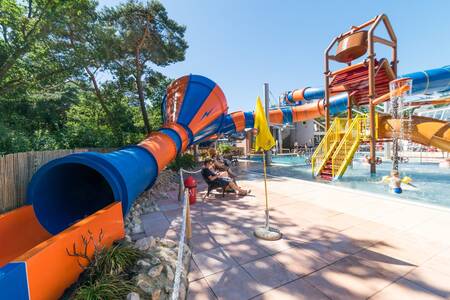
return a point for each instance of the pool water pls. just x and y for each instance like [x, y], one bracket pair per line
[432, 182]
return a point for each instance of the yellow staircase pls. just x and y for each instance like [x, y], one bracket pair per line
[343, 155]
[327, 146]
[336, 150]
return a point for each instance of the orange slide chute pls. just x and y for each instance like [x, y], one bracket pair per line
[421, 130]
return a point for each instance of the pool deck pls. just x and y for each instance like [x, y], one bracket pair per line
[337, 244]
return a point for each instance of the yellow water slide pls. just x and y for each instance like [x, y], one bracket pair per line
[420, 130]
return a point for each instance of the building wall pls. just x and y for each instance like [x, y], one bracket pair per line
[303, 133]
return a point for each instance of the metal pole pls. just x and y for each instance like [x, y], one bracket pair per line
[268, 154]
[265, 192]
[327, 95]
[372, 95]
[327, 83]
[188, 219]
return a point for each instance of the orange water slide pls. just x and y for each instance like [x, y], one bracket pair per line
[421, 130]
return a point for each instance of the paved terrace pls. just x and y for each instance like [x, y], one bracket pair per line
[337, 244]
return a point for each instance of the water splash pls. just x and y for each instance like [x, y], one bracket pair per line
[398, 112]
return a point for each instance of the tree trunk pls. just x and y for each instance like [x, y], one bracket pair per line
[140, 88]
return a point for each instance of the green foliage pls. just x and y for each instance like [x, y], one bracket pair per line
[224, 148]
[185, 161]
[107, 287]
[69, 76]
[115, 260]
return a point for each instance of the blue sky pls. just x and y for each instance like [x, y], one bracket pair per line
[242, 44]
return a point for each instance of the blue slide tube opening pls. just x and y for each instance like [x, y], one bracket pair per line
[71, 188]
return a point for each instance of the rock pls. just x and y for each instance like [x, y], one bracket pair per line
[143, 282]
[145, 243]
[144, 264]
[156, 295]
[137, 229]
[170, 274]
[155, 271]
[133, 296]
[167, 254]
[168, 243]
[155, 260]
[128, 238]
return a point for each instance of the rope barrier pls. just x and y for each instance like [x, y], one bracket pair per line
[184, 227]
[190, 172]
[179, 266]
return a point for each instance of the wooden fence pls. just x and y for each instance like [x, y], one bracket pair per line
[17, 169]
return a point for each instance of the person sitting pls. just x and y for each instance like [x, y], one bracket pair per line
[219, 180]
[222, 165]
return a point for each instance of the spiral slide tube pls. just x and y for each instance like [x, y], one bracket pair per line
[91, 192]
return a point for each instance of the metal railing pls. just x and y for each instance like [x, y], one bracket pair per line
[326, 146]
[348, 145]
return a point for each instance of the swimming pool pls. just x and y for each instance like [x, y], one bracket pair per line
[433, 183]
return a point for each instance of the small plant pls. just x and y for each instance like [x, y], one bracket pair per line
[117, 259]
[106, 287]
[106, 272]
[185, 161]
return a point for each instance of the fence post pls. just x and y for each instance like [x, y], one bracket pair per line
[188, 220]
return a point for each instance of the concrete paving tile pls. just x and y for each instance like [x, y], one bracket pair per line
[227, 236]
[299, 261]
[348, 279]
[173, 214]
[340, 221]
[202, 242]
[321, 249]
[194, 272]
[407, 247]
[367, 242]
[273, 247]
[429, 279]
[213, 261]
[346, 244]
[157, 215]
[245, 251]
[389, 267]
[440, 262]
[199, 290]
[295, 290]
[169, 206]
[157, 226]
[234, 284]
[364, 237]
[404, 289]
[269, 272]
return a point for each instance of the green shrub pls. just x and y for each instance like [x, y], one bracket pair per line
[185, 161]
[224, 148]
[106, 287]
